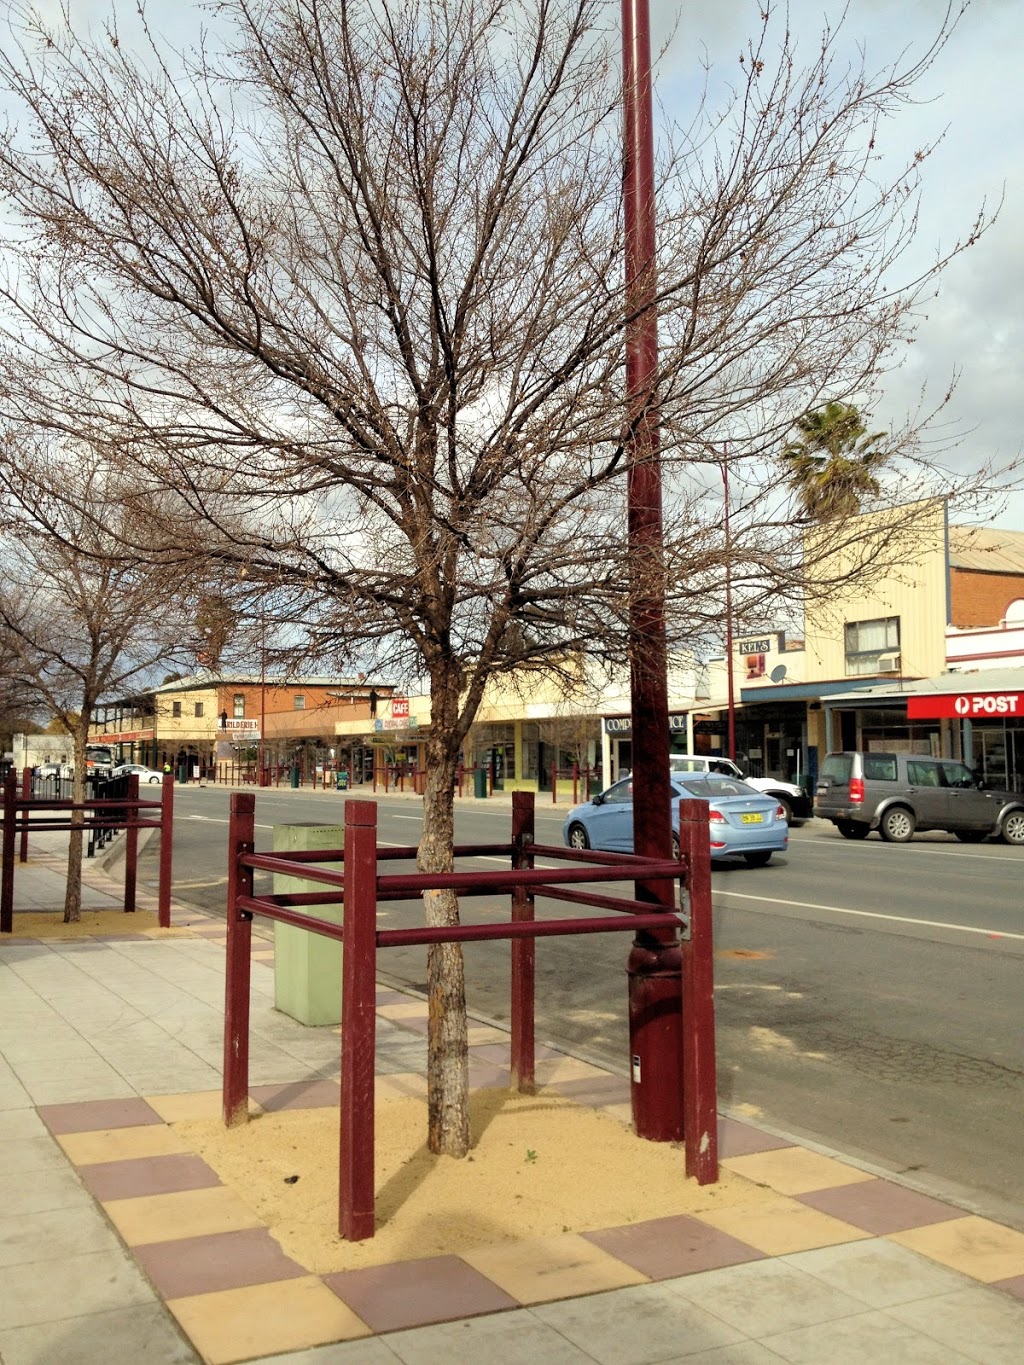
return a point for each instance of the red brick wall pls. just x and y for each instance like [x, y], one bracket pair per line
[981, 599]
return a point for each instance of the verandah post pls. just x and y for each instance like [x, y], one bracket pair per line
[241, 839]
[166, 851]
[131, 844]
[26, 796]
[356, 1213]
[10, 818]
[700, 1100]
[524, 950]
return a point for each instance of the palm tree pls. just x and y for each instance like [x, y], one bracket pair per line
[832, 464]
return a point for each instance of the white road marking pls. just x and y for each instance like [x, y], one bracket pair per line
[872, 914]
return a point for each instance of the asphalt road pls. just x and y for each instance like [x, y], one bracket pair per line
[869, 997]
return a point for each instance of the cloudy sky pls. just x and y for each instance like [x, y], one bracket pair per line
[972, 98]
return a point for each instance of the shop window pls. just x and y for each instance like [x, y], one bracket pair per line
[238, 706]
[872, 646]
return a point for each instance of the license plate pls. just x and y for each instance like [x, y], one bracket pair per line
[751, 819]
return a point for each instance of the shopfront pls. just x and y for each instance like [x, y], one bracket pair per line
[989, 725]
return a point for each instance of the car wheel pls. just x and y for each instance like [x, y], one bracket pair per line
[677, 852]
[1013, 827]
[578, 837]
[759, 859]
[971, 836]
[897, 825]
[853, 829]
[153, 780]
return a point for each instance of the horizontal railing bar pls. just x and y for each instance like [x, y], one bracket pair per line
[536, 928]
[589, 855]
[481, 882]
[599, 902]
[255, 905]
[385, 853]
[456, 933]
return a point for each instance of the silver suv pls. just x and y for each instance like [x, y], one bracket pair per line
[900, 793]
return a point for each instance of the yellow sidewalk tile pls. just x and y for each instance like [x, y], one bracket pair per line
[547, 1268]
[192, 1105]
[782, 1226]
[550, 1069]
[266, 1319]
[975, 1246]
[397, 1084]
[121, 1144]
[186, 1213]
[412, 1010]
[794, 1170]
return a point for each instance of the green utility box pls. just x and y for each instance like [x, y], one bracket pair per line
[341, 780]
[307, 967]
[295, 774]
[479, 781]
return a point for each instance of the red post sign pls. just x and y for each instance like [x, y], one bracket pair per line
[966, 706]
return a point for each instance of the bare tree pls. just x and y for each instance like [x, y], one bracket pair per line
[80, 619]
[348, 286]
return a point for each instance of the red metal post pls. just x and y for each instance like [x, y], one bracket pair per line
[554, 784]
[460, 772]
[575, 784]
[524, 950]
[131, 845]
[700, 1100]
[358, 1023]
[730, 680]
[241, 839]
[7, 888]
[653, 967]
[166, 851]
[26, 796]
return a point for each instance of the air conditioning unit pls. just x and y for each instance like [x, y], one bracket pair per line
[889, 663]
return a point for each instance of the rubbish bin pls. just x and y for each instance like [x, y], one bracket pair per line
[341, 780]
[479, 781]
[182, 772]
[295, 775]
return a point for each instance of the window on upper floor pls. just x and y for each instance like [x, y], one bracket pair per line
[238, 706]
[868, 643]
[175, 708]
[300, 702]
[199, 708]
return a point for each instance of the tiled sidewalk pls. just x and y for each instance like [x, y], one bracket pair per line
[107, 1042]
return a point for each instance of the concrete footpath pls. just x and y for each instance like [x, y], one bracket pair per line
[118, 1244]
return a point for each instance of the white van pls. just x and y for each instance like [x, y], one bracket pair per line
[795, 800]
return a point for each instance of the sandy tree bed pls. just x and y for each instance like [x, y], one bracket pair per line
[541, 1165]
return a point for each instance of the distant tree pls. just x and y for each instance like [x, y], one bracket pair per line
[80, 619]
[834, 464]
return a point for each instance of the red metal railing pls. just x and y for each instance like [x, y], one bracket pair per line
[360, 886]
[24, 814]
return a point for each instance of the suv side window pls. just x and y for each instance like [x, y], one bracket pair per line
[881, 768]
[922, 773]
[958, 775]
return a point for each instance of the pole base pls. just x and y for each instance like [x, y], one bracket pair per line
[655, 1041]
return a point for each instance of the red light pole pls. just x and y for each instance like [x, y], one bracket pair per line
[731, 749]
[654, 964]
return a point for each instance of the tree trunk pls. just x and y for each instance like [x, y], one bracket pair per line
[447, 1044]
[73, 892]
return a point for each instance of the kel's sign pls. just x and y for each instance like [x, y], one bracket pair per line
[967, 706]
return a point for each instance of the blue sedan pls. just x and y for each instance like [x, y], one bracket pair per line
[742, 822]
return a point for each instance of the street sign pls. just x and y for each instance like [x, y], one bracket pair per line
[966, 706]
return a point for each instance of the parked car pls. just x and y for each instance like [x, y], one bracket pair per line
[793, 799]
[145, 774]
[742, 822]
[900, 793]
